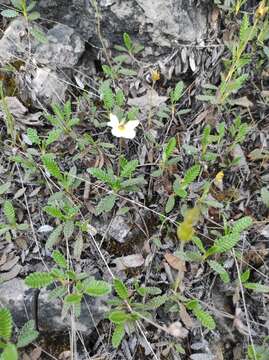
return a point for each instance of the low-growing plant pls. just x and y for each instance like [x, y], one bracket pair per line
[11, 227]
[125, 181]
[8, 349]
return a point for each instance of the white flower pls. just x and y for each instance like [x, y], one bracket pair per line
[122, 129]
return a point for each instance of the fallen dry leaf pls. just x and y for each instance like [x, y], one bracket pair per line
[151, 99]
[175, 262]
[130, 261]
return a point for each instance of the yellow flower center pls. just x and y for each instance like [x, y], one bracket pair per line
[121, 127]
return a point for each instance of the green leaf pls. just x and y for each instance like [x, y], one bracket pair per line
[27, 334]
[149, 290]
[127, 72]
[197, 241]
[51, 166]
[127, 41]
[10, 352]
[170, 204]
[9, 13]
[218, 268]
[31, 6]
[204, 317]
[107, 95]
[119, 98]
[244, 29]
[177, 93]
[54, 237]
[9, 212]
[121, 289]
[245, 276]
[53, 211]
[169, 148]
[264, 196]
[17, 4]
[106, 204]
[191, 174]
[59, 259]
[5, 324]
[38, 280]
[33, 16]
[100, 175]
[129, 168]
[157, 301]
[242, 224]
[69, 229]
[118, 335]
[118, 317]
[58, 292]
[73, 299]
[53, 136]
[39, 35]
[33, 136]
[97, 288]
[4, 187]
[257, 287]
[226, 242]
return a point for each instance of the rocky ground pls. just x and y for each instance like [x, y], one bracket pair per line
[192, 284]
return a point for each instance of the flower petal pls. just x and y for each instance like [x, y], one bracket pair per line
[131, 125]
[114, 121]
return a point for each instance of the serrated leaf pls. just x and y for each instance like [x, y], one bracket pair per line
[53, 211]
[4, 187]
[169, 148]
[157, 301]
[127, 72]
[121, 289]
[177, 92]
[5, 323]
[69, 227]
[199, 244]
[59, 259]
[33, 136]
[148, 290]
[78, 247]
[58, 292]
[244, 29]
[51, 166]
[9, 13]
[100, 175]
[218, 268]
[97, 288]
[170, 204]
[38, 280]
[9, 212]
[118, 335]
[73, 299]
[191, 174]
[33, 16]
[27, 334]
[265, 196]
[54, 237]
[39, 35]
[257, 287]
[226, 242]
[106, 204]
[107, 95]
[10, 352]
[129, 168]
[118, 317]
[53, 136]
[205, 318]
[242, 224]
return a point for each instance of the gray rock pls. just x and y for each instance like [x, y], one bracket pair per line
[16, 296]
[159, 25]
[63, 49]
[14, 43]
